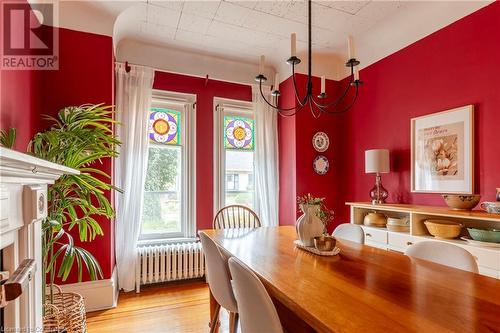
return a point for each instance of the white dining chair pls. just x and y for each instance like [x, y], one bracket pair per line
[350, 232]
[256, 309]
[219, 281]
[444, 254]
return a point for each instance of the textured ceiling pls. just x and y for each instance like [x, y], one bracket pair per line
[247, 29]
[200, 37]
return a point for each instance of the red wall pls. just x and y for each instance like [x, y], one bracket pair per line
[455, 66]
[19, 104]
[204, 130]
[287, 157]
[19, 100]
[85, 75]
[297, 176]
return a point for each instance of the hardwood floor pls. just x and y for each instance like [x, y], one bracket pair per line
[179, 307]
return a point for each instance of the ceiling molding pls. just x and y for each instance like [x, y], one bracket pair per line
[186, 62]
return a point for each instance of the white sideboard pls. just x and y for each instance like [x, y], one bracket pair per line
[488, 258]
[23, 206]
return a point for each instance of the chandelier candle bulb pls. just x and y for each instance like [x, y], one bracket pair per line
[350, 48]
[293, 44]
[277, 81]
[356, 74]
[261, 66]
[323, 84]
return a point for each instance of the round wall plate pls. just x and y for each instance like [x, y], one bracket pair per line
[320, 141]
[321, 165]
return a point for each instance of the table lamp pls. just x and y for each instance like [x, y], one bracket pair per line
[377, 161]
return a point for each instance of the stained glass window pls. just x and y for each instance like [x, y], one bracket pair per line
[165, 126]
[238, 133]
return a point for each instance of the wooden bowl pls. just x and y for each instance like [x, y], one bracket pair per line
[461, 202]
[325, 243]
[443, 229]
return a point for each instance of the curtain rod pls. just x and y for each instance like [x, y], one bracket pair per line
[193, 75]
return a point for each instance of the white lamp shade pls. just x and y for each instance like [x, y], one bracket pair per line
[377, 161]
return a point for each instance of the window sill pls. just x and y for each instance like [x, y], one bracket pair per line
[148, 242]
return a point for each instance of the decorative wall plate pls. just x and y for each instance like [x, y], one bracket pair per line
[321, 165]
[320, 141]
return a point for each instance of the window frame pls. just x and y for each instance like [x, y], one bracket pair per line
[226, 107]
[185, 104]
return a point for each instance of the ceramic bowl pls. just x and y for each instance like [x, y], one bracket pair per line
[461, 202]
[443, 228]
[325, 243]
[398, 228]
[491, 206]
[485, 235]
[403, 221]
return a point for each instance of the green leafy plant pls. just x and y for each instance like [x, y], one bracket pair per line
[325, 215]
[8, 137]
[80, 137]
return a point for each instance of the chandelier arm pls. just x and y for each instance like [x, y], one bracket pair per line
[270, 104]
[301, 101]
[311, 106]
[347, 108]
[340, 98]
[291, 114]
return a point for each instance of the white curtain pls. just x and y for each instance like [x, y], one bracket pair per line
[266, 158]
[133, 101]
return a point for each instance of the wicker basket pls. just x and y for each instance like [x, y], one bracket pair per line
[66, 311]
[51, 319]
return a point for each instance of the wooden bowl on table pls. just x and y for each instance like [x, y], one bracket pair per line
[460, 201]
[324, 243]
[443, 229]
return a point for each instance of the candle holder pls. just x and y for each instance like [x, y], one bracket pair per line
[293, 60]
[260, 78]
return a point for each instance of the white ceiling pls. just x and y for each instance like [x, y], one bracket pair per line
[244, 30]
[247, 29]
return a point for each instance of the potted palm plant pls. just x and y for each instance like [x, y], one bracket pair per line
[80, 138]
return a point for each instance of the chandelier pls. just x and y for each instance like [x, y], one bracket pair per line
[317, 104]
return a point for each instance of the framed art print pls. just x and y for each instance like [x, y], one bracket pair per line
[442, 146]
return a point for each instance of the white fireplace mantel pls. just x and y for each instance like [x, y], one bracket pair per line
[23, 205]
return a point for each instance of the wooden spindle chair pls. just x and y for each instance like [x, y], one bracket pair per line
[236, 216]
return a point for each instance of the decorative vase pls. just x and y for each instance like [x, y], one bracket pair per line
[498, 194]
[309, 224]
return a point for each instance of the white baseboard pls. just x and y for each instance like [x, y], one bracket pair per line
[98, 295]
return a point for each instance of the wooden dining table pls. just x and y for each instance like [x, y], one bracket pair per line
[362, 289]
